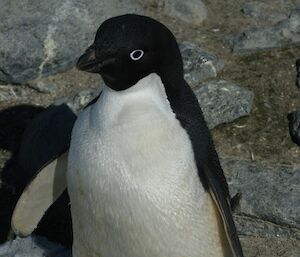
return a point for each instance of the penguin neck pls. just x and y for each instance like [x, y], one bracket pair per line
[171, 73]
[149, 91]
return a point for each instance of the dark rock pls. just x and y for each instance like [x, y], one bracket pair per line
[189, 11]
[43, 37]
[198, 64]
[285, 33]
[33, 247]
[294, 126]
[223, 102]
[298, 74]
[269, 193]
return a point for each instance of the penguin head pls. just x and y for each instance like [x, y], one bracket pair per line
[129, 47]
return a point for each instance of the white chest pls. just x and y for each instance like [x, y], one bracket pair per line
[133, 182]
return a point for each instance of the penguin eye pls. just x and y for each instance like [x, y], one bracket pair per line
[136, 54]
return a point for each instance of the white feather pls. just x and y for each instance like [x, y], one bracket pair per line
[133, 182]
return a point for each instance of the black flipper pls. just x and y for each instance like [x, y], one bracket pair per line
[46, 137]
[43, 156]
[223, 203]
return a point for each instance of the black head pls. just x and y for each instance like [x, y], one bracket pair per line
[130, 47]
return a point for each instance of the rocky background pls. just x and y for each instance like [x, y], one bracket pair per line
[239, 57]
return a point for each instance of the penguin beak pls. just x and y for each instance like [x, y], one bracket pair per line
[88, 61]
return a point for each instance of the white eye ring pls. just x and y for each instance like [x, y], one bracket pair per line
[136, 54]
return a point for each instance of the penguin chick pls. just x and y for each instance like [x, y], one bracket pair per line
[143, 176]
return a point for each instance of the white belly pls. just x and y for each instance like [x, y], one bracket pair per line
[133, 182]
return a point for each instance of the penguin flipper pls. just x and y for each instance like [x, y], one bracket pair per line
[43, 143]
[38, 196]
[223, 205]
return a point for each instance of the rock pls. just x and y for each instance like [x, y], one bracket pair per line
[248, 226]
[268, 193]
[269, 247]
[285, 33]
[189, 11]
[198, 64]
[9, 93]
[264, 12]
[267, 217]
[80, 100]
[223, 102]
[33, 247]
[41, 37]
[42, 87]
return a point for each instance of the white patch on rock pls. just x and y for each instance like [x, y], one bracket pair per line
[60, 15]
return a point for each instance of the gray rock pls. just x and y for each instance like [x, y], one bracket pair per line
[249, 226]
[190, 11]
[223, 102]
[42, 87]
[41, 37]
[78, 101]
[199, 64]
[10, 93]
[264, 12]
[285, 33]
[269, 193]
[269, 247]
[33, 247]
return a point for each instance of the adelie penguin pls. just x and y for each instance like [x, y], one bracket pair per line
[143, 176]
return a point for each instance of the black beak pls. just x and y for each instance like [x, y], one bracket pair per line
[88, 61]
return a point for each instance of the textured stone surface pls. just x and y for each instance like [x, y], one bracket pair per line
[80, 100]
[10, 93]
[33, 247]
[250, 226]
[199, 64]
[285, 33]
[269, 193]
[270, 247]
[190, 11]
[265, 12]
[223, 102]
[41, 37]
[42, 87]
[267, 217]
